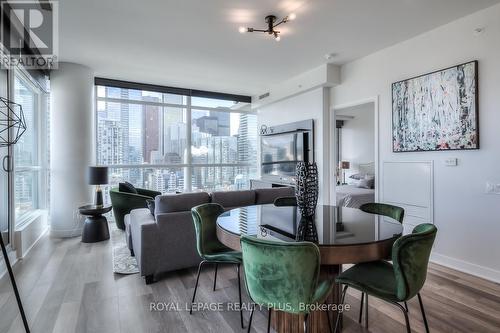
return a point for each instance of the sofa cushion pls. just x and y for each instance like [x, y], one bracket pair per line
[231, 199]
[127, 188]
[179, 202]
[268, 195]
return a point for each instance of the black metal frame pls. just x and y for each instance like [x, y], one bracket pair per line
[14, 285]
[271, 24]
[363, 295]
[99, 81]
[403, 309]
[203, 262]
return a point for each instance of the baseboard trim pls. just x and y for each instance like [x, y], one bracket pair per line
[68, 233]
[466, 267]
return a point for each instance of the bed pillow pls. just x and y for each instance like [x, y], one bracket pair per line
[364, 183]
[357, 176]
[370, 179]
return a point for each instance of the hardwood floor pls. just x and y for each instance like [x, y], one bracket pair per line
[68, 286]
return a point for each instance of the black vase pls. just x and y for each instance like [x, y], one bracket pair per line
[306, 230]
[306, 190]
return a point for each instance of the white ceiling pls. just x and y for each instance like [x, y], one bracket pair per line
[196, 44]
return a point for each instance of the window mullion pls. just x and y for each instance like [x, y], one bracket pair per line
[189, 158]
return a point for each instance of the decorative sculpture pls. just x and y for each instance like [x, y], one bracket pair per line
[12, 122]
[306, 192]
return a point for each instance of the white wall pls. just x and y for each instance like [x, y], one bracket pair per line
[467, 218]
[314, 105]
[71, 146]
[357, 145]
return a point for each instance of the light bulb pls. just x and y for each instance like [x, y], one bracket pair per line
[277, 38]
[292, 16]
[242, 30]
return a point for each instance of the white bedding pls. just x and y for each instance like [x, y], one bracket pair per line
[352, 196]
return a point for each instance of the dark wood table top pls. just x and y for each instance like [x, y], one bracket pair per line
[93, 210]
[344, 235]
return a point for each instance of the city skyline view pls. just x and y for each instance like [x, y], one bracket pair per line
[144, 135]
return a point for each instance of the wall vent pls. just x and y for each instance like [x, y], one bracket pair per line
[264, 96]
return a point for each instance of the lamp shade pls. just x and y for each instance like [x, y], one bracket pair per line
[98, 175]
[345, 165]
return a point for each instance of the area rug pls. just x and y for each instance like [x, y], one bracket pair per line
[123, 262]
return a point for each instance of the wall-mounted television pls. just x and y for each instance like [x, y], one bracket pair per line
[281, 152]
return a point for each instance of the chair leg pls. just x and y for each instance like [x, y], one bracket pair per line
[423, 312]
[196, 285]
[361, 307]
[215, 277]
[239, 295]
[149, 279]
[366, 312]
[407, 319]
[269, 312]
[338, 313]
[251, 317]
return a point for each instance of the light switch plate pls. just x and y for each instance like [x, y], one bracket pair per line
[452, 161]
[490, 188]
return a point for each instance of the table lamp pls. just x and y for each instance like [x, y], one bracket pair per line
[344, 165]
[98, 176]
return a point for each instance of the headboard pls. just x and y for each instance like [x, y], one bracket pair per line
[367, 168]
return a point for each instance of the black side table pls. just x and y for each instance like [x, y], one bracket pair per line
[95, 228]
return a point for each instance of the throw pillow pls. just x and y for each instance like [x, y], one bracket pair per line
[127, 188]
[371, 180]
[357, 176]
[364, 183]
[151, 206]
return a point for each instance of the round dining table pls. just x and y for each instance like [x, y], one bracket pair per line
[343, 235]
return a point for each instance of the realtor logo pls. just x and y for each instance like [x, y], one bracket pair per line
[29, 34]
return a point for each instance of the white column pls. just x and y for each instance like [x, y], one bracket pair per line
[71, 146]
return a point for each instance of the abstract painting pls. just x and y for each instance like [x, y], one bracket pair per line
[437, 111]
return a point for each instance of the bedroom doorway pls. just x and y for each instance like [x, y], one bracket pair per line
[355, 153]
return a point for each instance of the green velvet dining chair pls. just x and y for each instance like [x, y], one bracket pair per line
[210, 249]
[394, 212]
[397, 282]
[283, 276]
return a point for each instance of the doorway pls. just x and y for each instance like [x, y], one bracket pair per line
[355, 153]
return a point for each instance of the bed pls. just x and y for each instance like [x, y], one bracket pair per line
[353, 196]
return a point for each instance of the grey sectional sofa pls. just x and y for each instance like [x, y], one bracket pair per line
[167, 241]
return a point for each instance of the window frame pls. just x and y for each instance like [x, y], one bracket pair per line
[40, 167]
[187, 164]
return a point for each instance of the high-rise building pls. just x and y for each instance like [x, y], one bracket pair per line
[151, 121]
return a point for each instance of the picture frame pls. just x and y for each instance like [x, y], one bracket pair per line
[437, 111]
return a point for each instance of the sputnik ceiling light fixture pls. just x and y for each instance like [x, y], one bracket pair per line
[272, 23]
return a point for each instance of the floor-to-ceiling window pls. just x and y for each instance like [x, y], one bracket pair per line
[30, 152]
[175, 142]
